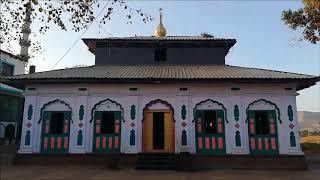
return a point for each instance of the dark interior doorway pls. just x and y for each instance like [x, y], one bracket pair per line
[158, 130]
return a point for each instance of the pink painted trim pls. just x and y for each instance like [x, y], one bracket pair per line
[52, 142]
[116, 142]
[59, 142]
[259, 143]
[219, 125]
[116, 128]
[97, 128]
[266, 143]
[213, 141]
[273, 143]
[272, 129]
[199, 127]
[220, 142]
[253, 143]
[207, 142]
[200, 142]
[66, 142]
[110, 143]
[271, 120]
[97, 142]
[251, 128]
[45, 143]
[46, 128]
[104, 142]
[65, 128]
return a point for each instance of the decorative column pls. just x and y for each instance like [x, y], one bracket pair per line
[183, 122]
[131, 134]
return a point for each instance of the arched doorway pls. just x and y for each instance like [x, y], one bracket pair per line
[107, 116]
[158, 127]
[262, 116]
[210, 118]
[56, 116]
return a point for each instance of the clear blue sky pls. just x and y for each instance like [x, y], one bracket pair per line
[263, 41]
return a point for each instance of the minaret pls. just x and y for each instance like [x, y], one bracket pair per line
[160, 30]
[24, 41]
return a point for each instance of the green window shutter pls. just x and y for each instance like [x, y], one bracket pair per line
[220, 114]
[98, 115]
[47, 115]
[80, 137]
[67, 115]
[27, 138]
[238, 139]
[132, 137]
[251, 114]
[117, 115]
[292, 139]
[184, 138]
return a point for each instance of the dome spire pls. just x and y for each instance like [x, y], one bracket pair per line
[160, 30]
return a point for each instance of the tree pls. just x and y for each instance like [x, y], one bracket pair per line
[74, 15]
[306, 18]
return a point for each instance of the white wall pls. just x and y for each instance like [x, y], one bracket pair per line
[166, 92]
[19, 66]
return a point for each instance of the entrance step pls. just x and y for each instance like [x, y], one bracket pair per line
[156, 161]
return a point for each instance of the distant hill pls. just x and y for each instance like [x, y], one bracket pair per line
[309, 121]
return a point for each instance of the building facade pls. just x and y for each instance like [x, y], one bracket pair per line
[161, 94]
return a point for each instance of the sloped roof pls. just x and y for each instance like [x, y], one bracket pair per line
[165, 72]
[165, 38]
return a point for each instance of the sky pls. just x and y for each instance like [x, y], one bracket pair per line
[263, 40]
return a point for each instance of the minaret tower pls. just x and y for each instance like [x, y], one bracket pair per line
[160, 30]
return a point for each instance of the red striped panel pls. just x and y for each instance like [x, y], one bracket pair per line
[97, 142]
[45, 143]
[253, 143]
[213, 142]
[266, 143]
[97, 128]
[251, 126]
[116, 142]
[110, 142]
[259, 143]
[220, 142]
[59, 142]
[104, 142]
[273, 143]
[52, 142]
[219, 125]
[116, 129]
[199, 127]
[272, 128]
[66, 142]
[207, 140]
[65, 128]
[200, 142]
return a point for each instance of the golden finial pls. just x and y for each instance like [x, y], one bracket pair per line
[160, 30]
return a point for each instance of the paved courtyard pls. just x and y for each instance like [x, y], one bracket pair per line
[25, 172]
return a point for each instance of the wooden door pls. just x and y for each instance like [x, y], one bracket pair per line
[148, 128]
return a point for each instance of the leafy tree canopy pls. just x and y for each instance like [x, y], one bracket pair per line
[306, 18]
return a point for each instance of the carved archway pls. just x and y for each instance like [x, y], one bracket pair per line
[106, 101]
[213, 102]
[54, 102]
[147, 106]
[274, 105]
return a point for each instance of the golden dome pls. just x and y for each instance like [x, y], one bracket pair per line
[160, 30]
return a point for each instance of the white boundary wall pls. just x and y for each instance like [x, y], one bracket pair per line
[167, 92]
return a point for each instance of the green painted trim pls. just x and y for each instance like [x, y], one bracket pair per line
[183, 112]
[52, 102]
[238, 139]
[30, 112]
[236, 112]
[215, 102]
[132, 137]
[11, 90]
[105, 100]
[81, 112]
[292, 139]
[79, 138]
[184, 138]
[27, 138]
[290, 113]
[266, 101]
[133, 112]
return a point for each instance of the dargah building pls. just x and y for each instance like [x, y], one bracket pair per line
[162, 95]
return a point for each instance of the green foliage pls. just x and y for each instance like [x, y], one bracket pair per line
[306, 18]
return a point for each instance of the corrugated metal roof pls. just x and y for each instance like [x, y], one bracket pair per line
[165, 38]
[163, 71]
